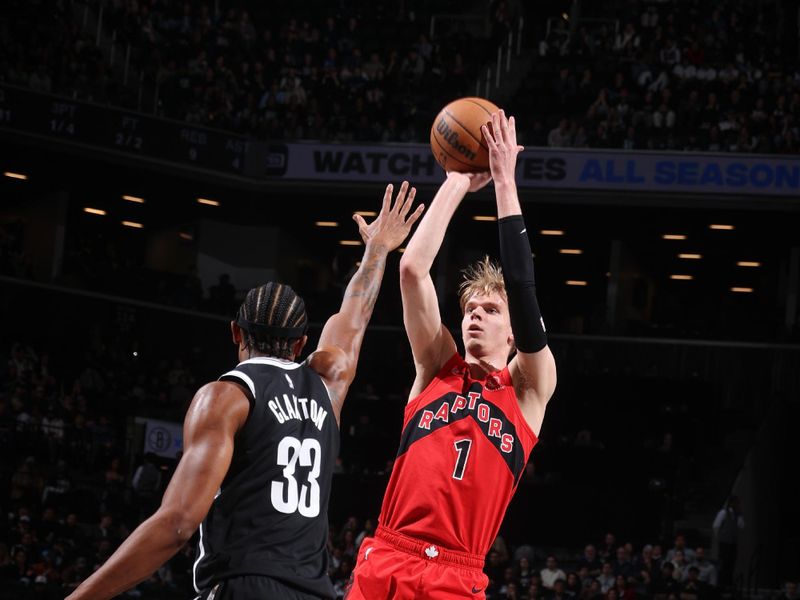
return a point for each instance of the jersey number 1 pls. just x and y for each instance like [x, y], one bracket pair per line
[462, 447]
[287, 496]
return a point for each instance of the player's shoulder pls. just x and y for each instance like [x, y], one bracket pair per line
[218, 400]
[330, 362]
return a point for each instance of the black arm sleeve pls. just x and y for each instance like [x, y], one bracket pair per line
[517, 263]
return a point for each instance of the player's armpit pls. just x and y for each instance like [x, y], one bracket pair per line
[337, 369]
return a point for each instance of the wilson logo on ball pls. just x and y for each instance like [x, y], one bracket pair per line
[451, 137]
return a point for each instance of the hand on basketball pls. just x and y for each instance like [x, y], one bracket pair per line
[476, 180]
[391, 226]
[503, 147]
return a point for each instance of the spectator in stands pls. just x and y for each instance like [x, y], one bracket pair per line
[606, 550]
[146, 485]
[727, 525]
[500, 546]
[560, 137]
[666, 584]
[680, 546]
[590, 560]
[606, 578]
[681, 565]
[622, 565]
[550, 573]
[624, 592]
[573, 585]
[559, 590]
[645, 563]
[692, 588]
[788, 591]
[707, 572]
[535, 591]
[495, 567]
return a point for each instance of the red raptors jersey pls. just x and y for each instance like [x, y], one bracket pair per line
[464, 446]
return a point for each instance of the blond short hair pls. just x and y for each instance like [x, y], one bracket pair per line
[483, 277]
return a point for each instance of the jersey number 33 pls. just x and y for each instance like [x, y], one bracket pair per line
[289, 495]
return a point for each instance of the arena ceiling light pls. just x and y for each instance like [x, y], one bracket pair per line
[94, 211]
[484, 218]
[577, 282]
[570, 251]
[12, 175]
[186, 236]
[349, 243]
[742, 290]
[133, 224]
[326, 223]
[208, 202]
[551, 231]
[135, 199]
[367, 213]
[673, 236]
[748, 263]
[690, 256]
[682, 277]
[721, 227]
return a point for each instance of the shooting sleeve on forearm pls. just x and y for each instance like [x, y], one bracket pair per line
[517, 262]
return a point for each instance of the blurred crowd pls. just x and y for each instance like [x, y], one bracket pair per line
[360, 71]
[672, 75]
[666, 75]
[277, 72]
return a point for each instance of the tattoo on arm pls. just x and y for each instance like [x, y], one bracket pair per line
[366, 283]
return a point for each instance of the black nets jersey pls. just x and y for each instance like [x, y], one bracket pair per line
[270, 516]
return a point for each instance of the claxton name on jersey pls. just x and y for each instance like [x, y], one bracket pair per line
[287, 408]
[480, 410]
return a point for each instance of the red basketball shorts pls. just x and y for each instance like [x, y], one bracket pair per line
[392, 566]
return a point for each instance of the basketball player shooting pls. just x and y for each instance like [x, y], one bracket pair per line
[472, 421]
[260, 445]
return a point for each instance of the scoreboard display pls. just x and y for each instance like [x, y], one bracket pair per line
[33, 113]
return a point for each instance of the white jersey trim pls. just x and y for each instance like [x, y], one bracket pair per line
[275, 362]
[327, 389]
[244, 377]
[197, 562]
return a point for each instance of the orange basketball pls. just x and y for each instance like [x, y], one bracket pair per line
[456, 138]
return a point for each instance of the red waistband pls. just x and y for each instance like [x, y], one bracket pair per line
[428, 551]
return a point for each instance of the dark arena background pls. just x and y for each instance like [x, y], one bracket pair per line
[159, 158]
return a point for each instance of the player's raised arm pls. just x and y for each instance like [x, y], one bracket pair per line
[533, 369]
[431, 342]
[214, 417]
[340, 343]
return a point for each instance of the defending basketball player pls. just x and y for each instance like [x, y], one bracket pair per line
[260, 445]
[472, 421]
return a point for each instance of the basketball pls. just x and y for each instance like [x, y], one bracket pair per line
[456, 138]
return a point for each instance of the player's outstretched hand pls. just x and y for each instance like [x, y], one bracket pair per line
[391, 226]
[503, 147]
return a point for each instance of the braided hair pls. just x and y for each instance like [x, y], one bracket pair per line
[275, 305]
